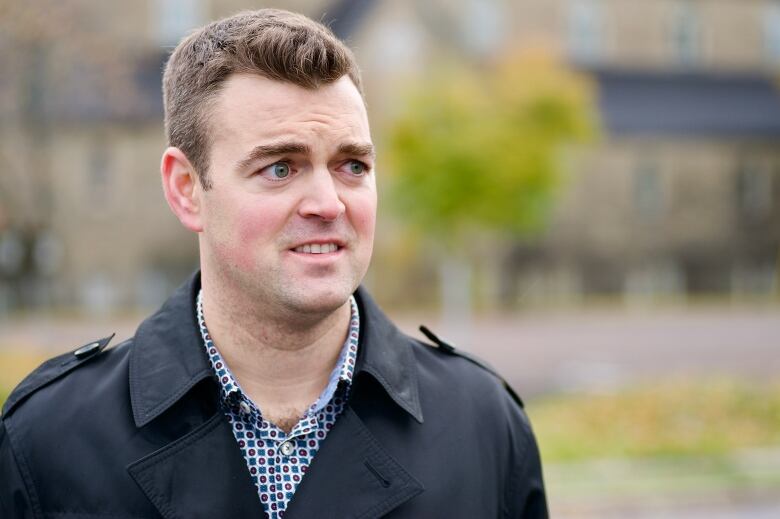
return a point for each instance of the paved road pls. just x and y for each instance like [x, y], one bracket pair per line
[761, 508]
[598, 350]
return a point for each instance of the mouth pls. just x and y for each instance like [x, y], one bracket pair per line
[318, 247]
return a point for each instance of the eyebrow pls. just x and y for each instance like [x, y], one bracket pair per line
[360, 150]
[265, 151]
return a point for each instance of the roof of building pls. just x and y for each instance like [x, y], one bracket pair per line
[688, 103]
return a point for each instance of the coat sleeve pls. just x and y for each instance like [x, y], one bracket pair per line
[14, 498]
[525, 497]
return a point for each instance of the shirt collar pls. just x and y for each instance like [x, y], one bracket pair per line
[230, 388]
[167, 359]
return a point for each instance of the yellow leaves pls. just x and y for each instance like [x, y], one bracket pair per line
[523, 75]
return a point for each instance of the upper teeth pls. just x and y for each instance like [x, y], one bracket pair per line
[317, 248]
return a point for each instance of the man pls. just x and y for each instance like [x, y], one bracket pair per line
[269, 383]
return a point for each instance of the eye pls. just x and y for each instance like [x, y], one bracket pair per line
[276, 171]
[356, 168]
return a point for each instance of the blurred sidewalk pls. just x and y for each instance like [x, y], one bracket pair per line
[601, 350]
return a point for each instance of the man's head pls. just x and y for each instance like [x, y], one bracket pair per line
[271, 161]
[272, 43]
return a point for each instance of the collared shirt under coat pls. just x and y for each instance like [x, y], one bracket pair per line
[276, 460]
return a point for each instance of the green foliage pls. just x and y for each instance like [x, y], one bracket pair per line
[480, 147]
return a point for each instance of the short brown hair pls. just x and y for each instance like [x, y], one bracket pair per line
[276, 44]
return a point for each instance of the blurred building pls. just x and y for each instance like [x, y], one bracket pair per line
[83, 222]
[681, 196]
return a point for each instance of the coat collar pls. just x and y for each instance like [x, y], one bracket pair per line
[168, 359]
[386, 354]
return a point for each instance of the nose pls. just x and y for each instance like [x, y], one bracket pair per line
[321, 198]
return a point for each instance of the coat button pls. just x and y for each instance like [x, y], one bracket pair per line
[287, 448]
[86, 351]
[244, 407]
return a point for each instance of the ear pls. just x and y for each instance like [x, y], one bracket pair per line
[182, 188]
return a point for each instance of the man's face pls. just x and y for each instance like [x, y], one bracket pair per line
[289, 220]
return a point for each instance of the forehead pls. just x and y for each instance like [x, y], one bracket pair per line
[251, 108]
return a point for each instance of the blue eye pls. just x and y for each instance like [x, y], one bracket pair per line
[357, 167]
[280, 170]
[276, 172]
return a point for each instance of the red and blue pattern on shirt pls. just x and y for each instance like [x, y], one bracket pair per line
[277, 461]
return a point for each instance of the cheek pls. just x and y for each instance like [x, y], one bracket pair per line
[247, 228]
[363, 212]
[253, 223]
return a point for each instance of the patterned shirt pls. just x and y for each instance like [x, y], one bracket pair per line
[276, 460]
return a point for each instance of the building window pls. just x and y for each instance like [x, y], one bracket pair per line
[772, 32]
[585, 30]
[648, 192]
[754, 189]
[175, 18]
[686, 33]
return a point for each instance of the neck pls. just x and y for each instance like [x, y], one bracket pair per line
[281, 364]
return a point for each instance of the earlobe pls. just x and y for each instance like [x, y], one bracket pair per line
[182, 188]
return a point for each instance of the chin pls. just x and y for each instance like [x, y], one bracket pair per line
[317, 299]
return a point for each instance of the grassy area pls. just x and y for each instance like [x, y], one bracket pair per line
[14, 366]
[667, 442]
[672, 418]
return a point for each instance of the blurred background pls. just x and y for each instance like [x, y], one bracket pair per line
[586, 193]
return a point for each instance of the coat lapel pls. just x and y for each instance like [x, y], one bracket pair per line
[205, 463]
[202, 473]
[352, 476]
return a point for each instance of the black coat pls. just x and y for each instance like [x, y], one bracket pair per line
[134, 432]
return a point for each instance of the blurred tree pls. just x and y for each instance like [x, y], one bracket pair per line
[480, 148]
[477, 149]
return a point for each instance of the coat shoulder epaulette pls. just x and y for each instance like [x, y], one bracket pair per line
[452, 350]
[51, 370]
